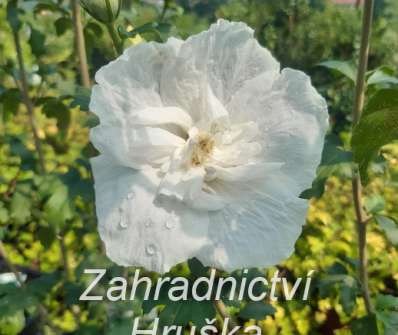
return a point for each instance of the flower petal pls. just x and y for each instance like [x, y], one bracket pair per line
[135, 147]
[246, 172]
[293, 118]
[257, 233]
[187, 186]
[224, 57]
[158, 116]
[126, 87]
[135, 229]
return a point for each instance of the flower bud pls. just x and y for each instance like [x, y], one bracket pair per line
[105, 11]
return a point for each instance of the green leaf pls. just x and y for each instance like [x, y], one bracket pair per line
[10, 99]
[256, 310]
[18, 148]
[390, 228]
[46, 235]
[365, 326]
[381, 99]
[343, 67]
[333, 156]
[42, 286]
[200, 311]
[386, 302]
[179, 313]
[333, 152]
[160, 31]
[58, 208]
[12, 15]
[346, 284]
[377, 127]
[375, 204]
[55, 108]
[77, 186]
[382, 76]
[372, 132]
[12, 324]
[73, 292]
[81, 98]
[387, 313]
[117, 327]
[20, 208]
[94, 28]
[14, 299]
[182, 312]
[90, 329]
[91, 120]
[348, 295]
[197, 268]
[36, 41]
[3, 214]
[62, 25]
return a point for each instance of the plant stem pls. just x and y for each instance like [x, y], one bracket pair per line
[65, 259]
[361, 217]
[80, 44]
[27, 101]
[222, 310]
[68, 275]
[117, 42]
[166, 4]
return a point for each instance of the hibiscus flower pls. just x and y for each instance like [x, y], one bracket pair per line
[205, 146]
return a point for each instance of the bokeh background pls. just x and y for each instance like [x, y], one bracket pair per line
[47, 219]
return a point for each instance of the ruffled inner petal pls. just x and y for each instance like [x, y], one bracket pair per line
[158, 116]
[188, 186]
[247, 172]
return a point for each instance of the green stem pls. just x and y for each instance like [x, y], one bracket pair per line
[166, 4]
[65, 259]
[117, 42]
[222, 310]
[361, 217]
[80, 44]
[27, 101]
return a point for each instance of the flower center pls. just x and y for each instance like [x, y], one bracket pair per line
[201, 149]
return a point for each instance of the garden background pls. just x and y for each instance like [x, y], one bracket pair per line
[48, 227]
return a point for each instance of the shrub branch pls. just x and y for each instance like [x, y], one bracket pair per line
[80, 44]
[24, 88]
[361, 216]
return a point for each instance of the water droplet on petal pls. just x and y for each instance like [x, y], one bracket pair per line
[148, 223]
[170, 224]
[122, 221]
[150, 249]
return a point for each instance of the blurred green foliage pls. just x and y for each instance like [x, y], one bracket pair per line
[47, 221]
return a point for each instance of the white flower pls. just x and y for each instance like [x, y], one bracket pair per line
[205, 146]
